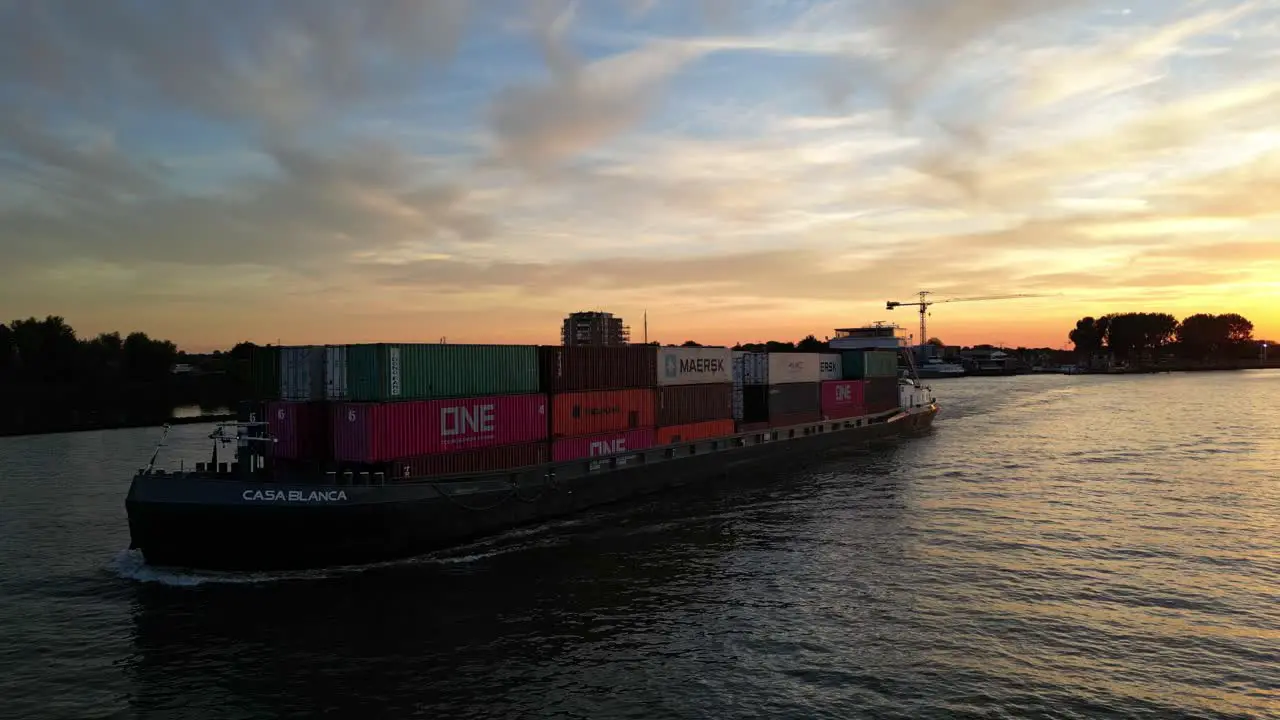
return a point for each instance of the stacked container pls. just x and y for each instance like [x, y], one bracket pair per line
[794, 388]
[415, 409]
[750, 390]
[695, 392]
[601, 399]
[878, 369]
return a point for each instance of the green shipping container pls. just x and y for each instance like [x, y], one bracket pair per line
[862, 364]
[386, 372]
[264, 372]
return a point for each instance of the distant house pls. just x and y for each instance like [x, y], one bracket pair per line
[181, 369]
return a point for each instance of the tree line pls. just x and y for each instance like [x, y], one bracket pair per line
[1131, 336]
[48, 352]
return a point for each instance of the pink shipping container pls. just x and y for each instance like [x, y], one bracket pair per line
[577, 448]
[843, 399]
[480, 460]
[376, 432]
[301, 430]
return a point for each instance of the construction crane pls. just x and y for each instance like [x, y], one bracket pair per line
[924, 304]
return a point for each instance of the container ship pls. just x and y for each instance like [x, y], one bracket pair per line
[367, 453]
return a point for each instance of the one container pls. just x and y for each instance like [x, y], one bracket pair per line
[429, 371]
[601, 411]
[750, 368]
[684, 404]
[264, 372]
[301, 429]
[843, 399]
[376, 432]
[830, 366]
[795, 418]
[577, 448]
[881, 394]
[575, 369]
[694, 365]
[302, 372]
[790, 368]
[862, 364]
[479, 460]
[695, 431]
[755, 403]
[794, 397]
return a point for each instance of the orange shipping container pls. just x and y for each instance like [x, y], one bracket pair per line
[601, 411]
[695, 431]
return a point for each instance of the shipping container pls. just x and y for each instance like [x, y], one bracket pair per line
[862, 364]
[881, 394]
[694, 365]
[843, 399]
[736, 402]
[695, 431]
[335, 372]
[755, 403]
[264, 372]
[376, 432]
[750, 368]
[794, 418]
[795, 397]
[601, 411]
[302, 372]
[589, 446]
[301, 430]
[790, 368]
[431, 371]
[479, 460]
[684, 404]
[830, 366]
[575, 369]
[744, 427]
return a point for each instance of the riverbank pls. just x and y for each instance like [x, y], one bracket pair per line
[123, 425]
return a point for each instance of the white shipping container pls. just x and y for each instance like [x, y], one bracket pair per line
[750, 368]
[830, 366]
[694, 365]
[335, 372]
[302, 372]
[737, 402]
[787, 368]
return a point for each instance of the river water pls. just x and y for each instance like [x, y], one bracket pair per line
[1073, 547]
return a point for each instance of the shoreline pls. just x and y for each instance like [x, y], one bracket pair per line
[192, 420]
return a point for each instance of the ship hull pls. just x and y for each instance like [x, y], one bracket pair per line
[227, 524]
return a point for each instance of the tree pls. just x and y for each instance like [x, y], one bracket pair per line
[811, 344]
[6, 351]
[47, 349]
[691, 344]
[935, 342]
[147, 359]
[1086, 336]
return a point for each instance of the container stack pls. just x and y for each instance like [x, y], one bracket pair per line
[750, 390]
[878, 369]
[601, 399]
[428, 409]
[695, 391]
[794, 382]
[298, 416]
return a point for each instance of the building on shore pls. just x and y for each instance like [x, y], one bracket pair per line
[594, 328]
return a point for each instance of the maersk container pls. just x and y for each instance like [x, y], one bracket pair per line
[843, 399]
[830, 366]
[796, 418]
[430, 371]
[578, 448]
[377, 432]
[575, 369]
[791, 368]
[695, 431]
[264, 372]
[863, 364]
[750, 368]
[301, 430]
[601, 411]
[882, 394]
[755, 403]
[694, 365]
[479, 460]
[684, 404]
[794, 397]
[302, 372]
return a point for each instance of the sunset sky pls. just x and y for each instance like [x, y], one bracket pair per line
[333, 171]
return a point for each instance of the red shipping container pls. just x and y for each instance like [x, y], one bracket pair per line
[374, 432]
[843, 399]
[601, 411]
[577, 448]
[480, 460]
[695, 431]
[301, 430]
[575, 369]
[686, 404]
[795, 418]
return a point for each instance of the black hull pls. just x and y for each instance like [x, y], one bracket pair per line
[228, 524]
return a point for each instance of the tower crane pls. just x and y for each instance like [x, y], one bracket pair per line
[924, 304]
